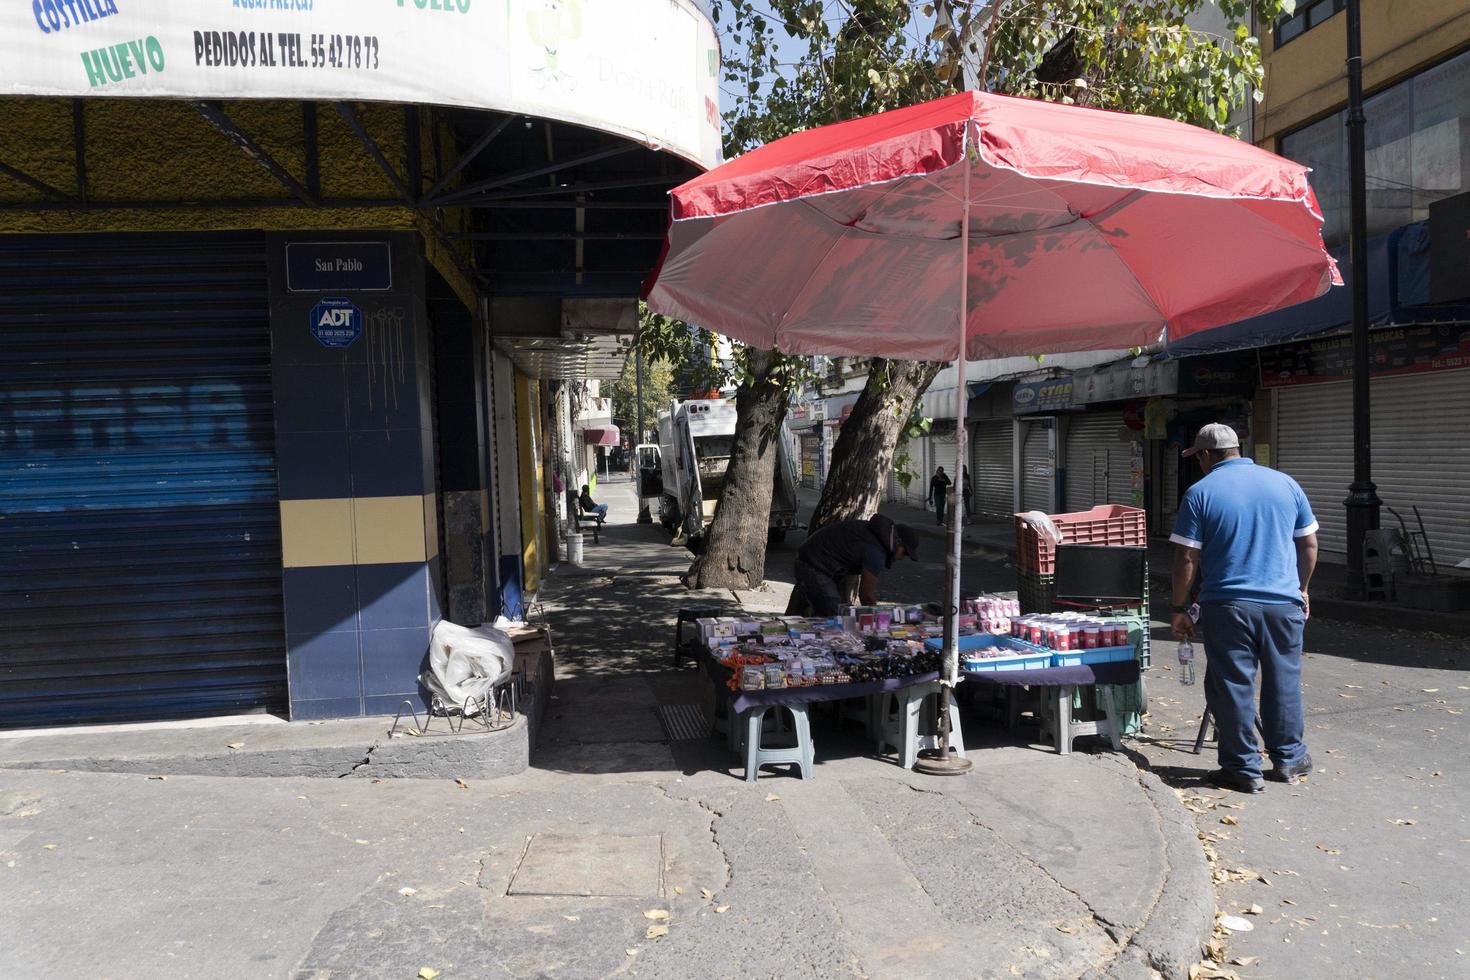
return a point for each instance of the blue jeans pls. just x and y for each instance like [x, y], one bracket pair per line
[600, 512]
[1239, 637]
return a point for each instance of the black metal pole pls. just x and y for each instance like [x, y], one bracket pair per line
[644, 517]
[1362, 501]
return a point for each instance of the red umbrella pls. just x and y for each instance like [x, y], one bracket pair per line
[1054, 228]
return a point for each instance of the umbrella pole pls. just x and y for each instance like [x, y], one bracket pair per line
[942, 762]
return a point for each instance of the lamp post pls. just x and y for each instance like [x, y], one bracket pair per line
[1362, 501]
[644, 517]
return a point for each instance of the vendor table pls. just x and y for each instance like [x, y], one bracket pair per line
[743, 701]
[1060, 683]
[742, 711]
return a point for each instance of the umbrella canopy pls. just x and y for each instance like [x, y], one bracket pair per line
[1088, 230]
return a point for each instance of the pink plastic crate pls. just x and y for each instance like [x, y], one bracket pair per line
[1107, 524]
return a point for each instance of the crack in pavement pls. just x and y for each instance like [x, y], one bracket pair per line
[367, 758]
[1117, 932]
[715, 817]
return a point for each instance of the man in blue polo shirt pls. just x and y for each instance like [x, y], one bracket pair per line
[1246, 534]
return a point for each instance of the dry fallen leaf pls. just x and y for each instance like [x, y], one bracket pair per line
[1069, 930]
[428, 973]
[361, 841]
[572, 918]
[159, 778]
[1430, 690]
[1341, 695]
[1254, 910]
[235, 745]
[1211, 971]
[708, 895]
[721, 909]
[656, 932]
[1229, 820]
[631, 952]
[1403, 823]
[1328, 850]
[772, 797]
[657, 914]
[49, 847]
[678, 890]
[407, 892]
[461, 784]
[1246, 960]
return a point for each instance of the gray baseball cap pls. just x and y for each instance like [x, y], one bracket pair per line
[1216, 435]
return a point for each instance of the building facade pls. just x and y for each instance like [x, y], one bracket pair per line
[294, 297]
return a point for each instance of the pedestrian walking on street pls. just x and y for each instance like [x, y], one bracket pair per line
[939, 493]
[1246, 542]
[967, 490]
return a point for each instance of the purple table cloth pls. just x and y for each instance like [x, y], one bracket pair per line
[1125, 672]
[1121, 672]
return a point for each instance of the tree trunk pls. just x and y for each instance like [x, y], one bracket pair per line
[735, 544]
[863, 456]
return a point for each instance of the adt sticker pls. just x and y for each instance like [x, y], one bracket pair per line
[336, 322]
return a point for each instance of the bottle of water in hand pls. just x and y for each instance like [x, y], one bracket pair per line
[1186, 662]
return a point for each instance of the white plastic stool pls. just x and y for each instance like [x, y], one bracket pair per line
[757, 755]
[902, 722]
[1057, 720]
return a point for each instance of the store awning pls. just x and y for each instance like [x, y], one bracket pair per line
[1398, 294]
[607, 435]
[644, 70]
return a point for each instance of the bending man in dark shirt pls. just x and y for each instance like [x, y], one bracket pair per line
[851, 548]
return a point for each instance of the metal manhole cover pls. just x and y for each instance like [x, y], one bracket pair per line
[590, 866]
[683, 722]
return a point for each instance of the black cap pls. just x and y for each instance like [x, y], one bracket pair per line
[909, 538]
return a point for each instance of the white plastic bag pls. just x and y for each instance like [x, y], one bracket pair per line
[1043, 525]
[465, 663]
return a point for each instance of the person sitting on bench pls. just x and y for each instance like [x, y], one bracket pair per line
[590, 506]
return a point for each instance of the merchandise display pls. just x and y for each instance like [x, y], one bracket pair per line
[866, 644]
[1062, 640]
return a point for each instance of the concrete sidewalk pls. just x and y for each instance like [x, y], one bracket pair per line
[629, 820]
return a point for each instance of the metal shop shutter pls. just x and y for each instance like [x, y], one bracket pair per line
[992, 467]
[1037, 477]
[140, 555]
[1417, 458]
[1098, 462]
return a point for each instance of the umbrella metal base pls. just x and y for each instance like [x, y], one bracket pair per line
[933, 762]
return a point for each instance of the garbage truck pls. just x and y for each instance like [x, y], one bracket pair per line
[695, 439]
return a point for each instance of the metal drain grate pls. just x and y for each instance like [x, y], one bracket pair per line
[683, 722]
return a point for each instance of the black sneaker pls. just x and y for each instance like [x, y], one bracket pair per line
[1225, 779]
[1290, 774]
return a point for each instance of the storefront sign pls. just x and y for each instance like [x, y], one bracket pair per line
[1052, 395]
[1121, 382]
[336, 322]
[320, 267]
[1218, 374]
[645, 69]
[1400, 350]
[1449, 249]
